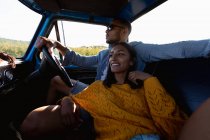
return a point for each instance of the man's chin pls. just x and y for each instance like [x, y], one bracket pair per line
[111, 41]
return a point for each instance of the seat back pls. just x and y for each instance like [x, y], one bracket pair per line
[187, 80]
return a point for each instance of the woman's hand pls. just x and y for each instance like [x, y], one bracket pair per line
[70, 113]
[10, 59]
[135, 75]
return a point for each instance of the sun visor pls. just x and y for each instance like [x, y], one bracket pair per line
[48, 5]
[107, 8]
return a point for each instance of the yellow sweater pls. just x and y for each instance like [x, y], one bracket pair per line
[120, 112]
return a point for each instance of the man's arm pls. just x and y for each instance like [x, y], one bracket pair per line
[70, 57]
[184, 49]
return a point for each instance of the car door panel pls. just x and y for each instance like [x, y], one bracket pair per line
[84, 75]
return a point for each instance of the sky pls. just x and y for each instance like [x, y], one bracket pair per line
[174, 20]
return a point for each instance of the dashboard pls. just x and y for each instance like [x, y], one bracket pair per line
[6, 75]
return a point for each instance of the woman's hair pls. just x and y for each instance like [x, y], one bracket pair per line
[110, 78]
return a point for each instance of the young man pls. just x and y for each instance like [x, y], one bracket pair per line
[118, 31]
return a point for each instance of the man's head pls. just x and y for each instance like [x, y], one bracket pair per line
[118, 31]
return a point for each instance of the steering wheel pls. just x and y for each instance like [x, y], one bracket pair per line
[54, 62]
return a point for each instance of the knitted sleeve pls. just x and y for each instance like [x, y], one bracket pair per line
[167, 116]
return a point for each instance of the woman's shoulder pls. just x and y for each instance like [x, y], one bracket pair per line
[97, 83]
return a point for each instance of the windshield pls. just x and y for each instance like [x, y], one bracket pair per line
[18, 25]
[172, 21]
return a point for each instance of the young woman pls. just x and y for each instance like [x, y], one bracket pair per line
[126, 104]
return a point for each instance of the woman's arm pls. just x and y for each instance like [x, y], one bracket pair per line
[70, 112]
[167, 116]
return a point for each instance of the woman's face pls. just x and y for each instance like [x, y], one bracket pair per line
[120, 59]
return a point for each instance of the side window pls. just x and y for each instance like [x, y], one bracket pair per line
[173, 21]
[85, 39]
[18, 24]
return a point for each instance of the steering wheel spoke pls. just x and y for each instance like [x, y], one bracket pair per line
[54, 62]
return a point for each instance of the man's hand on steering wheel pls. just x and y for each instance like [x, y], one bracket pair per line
[46, 45]
[43, 41]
